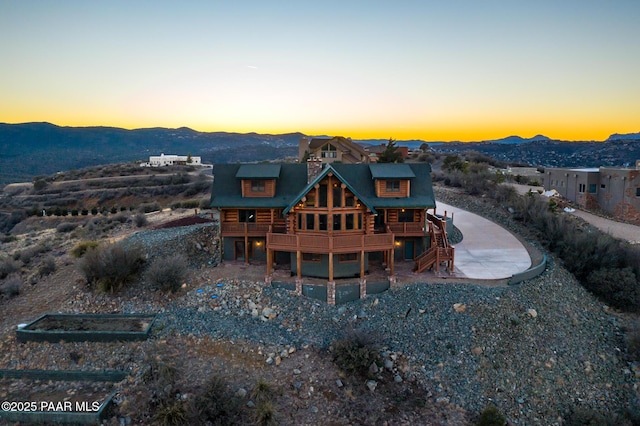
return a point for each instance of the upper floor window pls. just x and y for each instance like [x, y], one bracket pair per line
[582, 187]
[328, 151]
[393, 186]
[257, 186]
[247, 216]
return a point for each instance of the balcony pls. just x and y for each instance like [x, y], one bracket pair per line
[406, 229]
[240, 229]
[314, 243]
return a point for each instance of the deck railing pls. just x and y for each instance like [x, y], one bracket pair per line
[400, 228]
[314, 243]
[234, 229]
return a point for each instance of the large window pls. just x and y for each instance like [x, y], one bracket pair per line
[323, 195]
[348, 221]
[405, 215]
[337, 196]
[257, 186]
[337, 222]
[393, 186]
[310, 222]
[328, 151]
[311, 257]
[593, 188]
[637, 192]
[247, 216]
[322, 222]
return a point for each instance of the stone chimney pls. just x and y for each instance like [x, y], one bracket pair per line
[314, 168]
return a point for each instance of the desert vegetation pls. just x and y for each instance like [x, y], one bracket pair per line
[607, 267]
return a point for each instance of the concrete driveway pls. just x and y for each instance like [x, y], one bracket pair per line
[487, 251]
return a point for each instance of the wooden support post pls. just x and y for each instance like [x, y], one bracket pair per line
[391, 261]
[269, 262]
[330, 266]
[362, 263]
[299, 263]
[246, 245]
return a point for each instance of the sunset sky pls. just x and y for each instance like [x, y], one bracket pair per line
[432, 70]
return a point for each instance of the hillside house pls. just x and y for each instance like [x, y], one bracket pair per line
[170, 160]
[329, 220]
[614, 190]
[332, 150]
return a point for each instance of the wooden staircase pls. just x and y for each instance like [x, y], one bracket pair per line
[440, 251]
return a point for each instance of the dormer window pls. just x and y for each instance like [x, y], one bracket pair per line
[257, 186]
[393, 186]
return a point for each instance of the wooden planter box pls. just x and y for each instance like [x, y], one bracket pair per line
[87, 328]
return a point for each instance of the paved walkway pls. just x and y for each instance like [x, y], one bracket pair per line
[487, 250]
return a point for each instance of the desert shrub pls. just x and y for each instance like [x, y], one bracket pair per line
[48, 266]
[205, 203]
[121, 217]
[587, 417]
[618, 286]
[167, 273]
[265, 414]
[29, 253]
[11, 286]
[354, 353]
[7, 238]
[491, 416]
[112, 266]
[505, 194]
[148, 207]
[140, 220]
[66, 227]
[8, 266]
[216, 403]
[171, 413]
[633, 341]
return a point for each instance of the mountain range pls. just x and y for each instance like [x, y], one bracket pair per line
[31, 149]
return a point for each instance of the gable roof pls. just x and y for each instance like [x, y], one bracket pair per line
[258, 171]
[341, 143]
[322, 175]
[292, 185]
[227, 186]
[391, 171]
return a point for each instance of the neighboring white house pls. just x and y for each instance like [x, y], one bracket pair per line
[170, 160]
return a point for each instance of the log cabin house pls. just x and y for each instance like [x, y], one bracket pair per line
[329, 220]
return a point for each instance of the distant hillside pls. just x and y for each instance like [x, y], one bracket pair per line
[31, 149]
[518, 139]
[624, 136]
[551, 153]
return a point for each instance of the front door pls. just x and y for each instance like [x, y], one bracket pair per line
[408, 250]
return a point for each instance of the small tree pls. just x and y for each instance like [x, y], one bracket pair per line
[189, 159]
[391, 153]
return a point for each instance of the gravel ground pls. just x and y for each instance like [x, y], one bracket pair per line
[536, 350]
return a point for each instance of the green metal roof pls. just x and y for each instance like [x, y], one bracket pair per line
[292, 185]
[258, 171]
[391, 171]
[328, 169]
